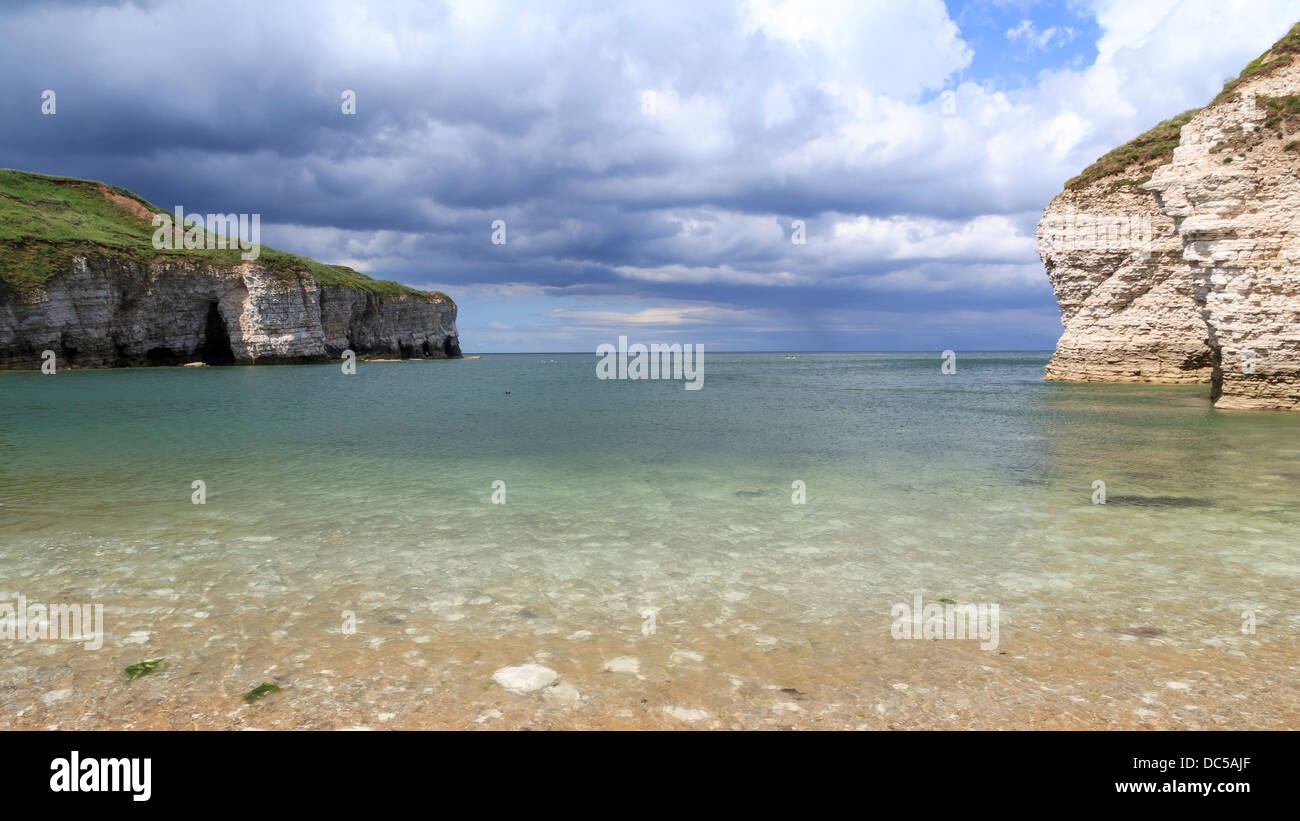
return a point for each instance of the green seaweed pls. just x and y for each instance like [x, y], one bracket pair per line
[947, 601]
[144, 668]
[260, 691]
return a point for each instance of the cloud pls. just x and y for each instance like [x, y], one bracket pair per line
[1040, 40]
[893, 48]
[643, 157]
[648, 316]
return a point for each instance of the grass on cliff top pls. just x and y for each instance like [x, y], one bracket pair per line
[1147, 152]
[1282, 53]
[45, 221]
[1139, 156]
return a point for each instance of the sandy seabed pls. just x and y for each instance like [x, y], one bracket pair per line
[1066, 676]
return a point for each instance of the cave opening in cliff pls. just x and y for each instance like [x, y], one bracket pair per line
[215, 349]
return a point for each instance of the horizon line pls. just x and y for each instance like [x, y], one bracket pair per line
[790, 351]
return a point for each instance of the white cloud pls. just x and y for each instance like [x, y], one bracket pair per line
[893, 48]
[683, 315]
[763, 112]
[1034, 39]
[698, 275]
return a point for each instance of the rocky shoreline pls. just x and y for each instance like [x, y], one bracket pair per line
[122, 303]
[106, 314]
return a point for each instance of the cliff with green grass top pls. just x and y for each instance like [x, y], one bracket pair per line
[1174, 257]
[81, 275]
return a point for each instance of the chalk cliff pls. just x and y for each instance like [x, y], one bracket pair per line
[1175, 258]
[80, 276]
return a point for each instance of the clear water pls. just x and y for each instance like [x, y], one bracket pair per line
[372, 494]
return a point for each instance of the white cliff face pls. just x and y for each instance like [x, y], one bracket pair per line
[106, 313]
[1237, 222]
[1128, 301]
[1216, 296]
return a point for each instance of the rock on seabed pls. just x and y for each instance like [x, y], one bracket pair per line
[624, 664]
[525, 678]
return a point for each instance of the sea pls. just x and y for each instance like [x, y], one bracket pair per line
[513, 542]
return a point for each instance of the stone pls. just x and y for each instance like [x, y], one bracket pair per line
[525, 678]
[563, 693]
[686, 714]
[624, 664]
[57, 695]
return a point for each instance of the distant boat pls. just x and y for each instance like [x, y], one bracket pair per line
[792, 356]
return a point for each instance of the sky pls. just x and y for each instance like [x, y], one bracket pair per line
[654, 163]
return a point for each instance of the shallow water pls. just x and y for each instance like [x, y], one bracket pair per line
[372, 494]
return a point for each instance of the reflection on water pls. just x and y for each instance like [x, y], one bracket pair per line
[371, 495]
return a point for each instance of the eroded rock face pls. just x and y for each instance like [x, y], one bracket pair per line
[1129, 303]
[1213, 293]
[109, 313]
[1237, 222]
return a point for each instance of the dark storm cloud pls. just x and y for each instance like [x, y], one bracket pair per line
[662, 151]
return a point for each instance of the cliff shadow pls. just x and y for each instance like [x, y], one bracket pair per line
[1211, 332]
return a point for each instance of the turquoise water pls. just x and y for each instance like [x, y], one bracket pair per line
[372, 494]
